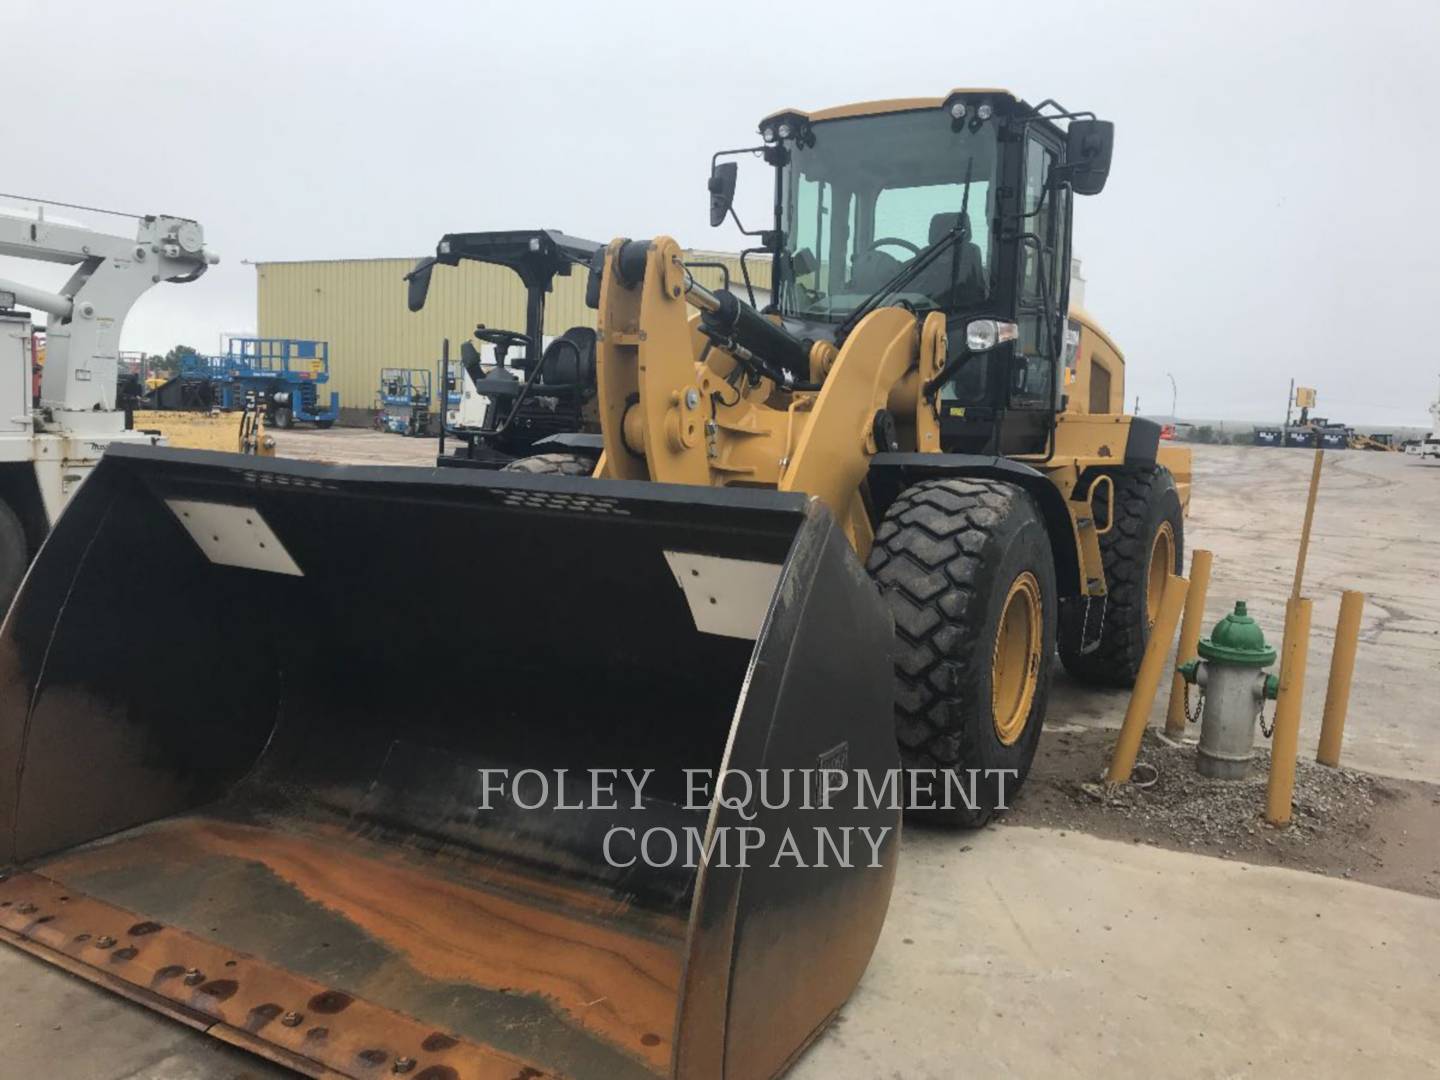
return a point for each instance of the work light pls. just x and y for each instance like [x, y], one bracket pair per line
[982, 335]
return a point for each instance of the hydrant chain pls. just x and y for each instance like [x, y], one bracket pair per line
[1193, 717]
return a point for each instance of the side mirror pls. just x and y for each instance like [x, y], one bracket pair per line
[722, 191]
[1087, 155]
[592, 285]
[419, 280]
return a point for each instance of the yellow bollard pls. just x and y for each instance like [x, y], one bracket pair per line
[1285, 739]
[1147, 682]
[1190, 627]
[1342, 667]
[1309, 520]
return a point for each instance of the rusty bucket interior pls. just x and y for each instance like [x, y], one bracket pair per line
[261, 726]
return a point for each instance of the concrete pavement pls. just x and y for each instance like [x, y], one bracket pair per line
[1046, 955]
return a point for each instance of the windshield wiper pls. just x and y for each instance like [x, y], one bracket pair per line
[907, 273]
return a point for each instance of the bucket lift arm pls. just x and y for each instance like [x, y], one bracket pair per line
[86, 315]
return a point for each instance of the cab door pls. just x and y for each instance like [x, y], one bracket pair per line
[1033, 379]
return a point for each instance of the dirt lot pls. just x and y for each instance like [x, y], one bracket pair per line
[1347, 824]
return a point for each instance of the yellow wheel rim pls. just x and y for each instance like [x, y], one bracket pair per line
[1162, 564]
[1015, 668]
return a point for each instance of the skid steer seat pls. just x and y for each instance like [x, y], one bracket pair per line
[499, 382]
[570, 358]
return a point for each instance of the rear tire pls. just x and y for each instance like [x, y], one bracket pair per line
[14, 555]
[324, 425]
[553, 465]
[1148, 520]
[282, 419]
[952, 558]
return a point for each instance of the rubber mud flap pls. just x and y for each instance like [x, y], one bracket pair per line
[330, 762]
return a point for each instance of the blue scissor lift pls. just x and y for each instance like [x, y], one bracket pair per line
[285, 373]
[403, 401]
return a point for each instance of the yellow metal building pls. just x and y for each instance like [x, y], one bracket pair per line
[358, 306]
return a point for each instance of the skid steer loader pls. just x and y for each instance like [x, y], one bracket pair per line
[359, 878]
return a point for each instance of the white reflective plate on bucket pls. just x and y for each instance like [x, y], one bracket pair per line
[728, 597]
[234, 536]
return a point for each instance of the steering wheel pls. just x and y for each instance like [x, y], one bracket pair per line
[501, 339]
[885, 240]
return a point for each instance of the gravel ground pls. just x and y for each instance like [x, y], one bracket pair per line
[1344, 823]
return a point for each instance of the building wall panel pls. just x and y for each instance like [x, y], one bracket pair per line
[359, 306]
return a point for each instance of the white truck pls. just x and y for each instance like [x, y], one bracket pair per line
[1429, 447]
[47, 449]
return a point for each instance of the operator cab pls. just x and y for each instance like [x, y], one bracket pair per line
[515, 389]
[958, 204]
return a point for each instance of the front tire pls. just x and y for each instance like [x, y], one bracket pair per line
[282, 418]
[967, 570]
[1144, 544]
[553, 465]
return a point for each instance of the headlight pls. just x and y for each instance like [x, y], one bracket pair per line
[958, 110]
[768, 133]
[984, 112]
[982, 335]
[786, 130]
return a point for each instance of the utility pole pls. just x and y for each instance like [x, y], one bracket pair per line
[1285, 431]
[1174, 396]
[1137, 404]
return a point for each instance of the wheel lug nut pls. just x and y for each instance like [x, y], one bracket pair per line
[194, 977]
[292, 1019]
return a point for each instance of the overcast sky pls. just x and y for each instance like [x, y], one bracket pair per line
[1267, 214]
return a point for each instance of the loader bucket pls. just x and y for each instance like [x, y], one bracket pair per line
[273, 738]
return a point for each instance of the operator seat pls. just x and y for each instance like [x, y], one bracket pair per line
[570, 358]
[497, 382]
[871, 269]
[971, 287]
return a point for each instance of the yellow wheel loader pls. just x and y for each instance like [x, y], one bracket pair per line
[932, 385]
[874, 509]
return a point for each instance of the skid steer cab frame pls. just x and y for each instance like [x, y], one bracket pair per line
[531, 392]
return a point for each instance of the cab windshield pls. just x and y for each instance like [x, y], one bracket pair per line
[873, 192]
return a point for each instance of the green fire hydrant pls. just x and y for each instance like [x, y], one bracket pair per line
[1234, 686]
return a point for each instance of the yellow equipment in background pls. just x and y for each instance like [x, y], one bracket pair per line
[213, 430]
[1379, 441]
[240, 432]
[846, 532]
